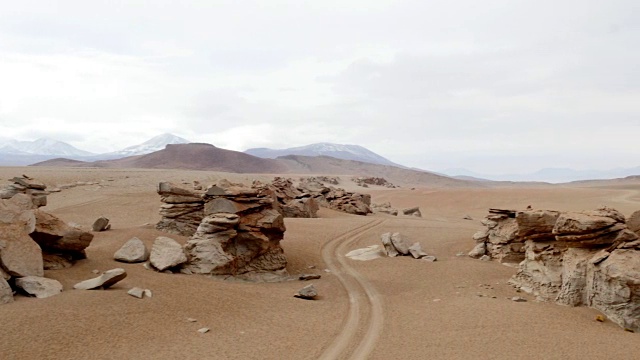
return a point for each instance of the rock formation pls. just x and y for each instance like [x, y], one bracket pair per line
[365, 181]
[293, 202]
[336, 198]
[33, 241]
[585, 258]
[384, 208]
[413, 211]
[397, 244]
[238, 229]
[182, 210]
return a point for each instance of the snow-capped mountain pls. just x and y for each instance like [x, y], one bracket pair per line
[41, 146]
[156, 143]
[340, 151]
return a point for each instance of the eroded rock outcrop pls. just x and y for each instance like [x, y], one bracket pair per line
[384, 208]
[336, 198]
[182, 210]
[588, 258]
[292, 201]
[365, 181]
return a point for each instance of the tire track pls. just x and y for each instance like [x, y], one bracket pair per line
[362, 296]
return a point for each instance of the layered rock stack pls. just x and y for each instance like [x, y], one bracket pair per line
[239, 232]
[293, 202]
[335, 198]
[32, 240]
[573, 258]
[182, 210]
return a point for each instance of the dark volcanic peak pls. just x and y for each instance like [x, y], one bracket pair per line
[340, 151]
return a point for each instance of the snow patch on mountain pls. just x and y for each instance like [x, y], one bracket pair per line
[41, 146]
[156, 143]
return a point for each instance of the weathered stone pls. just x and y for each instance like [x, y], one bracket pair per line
[39, 287]
[19, 254]
[101, 224]
[104, 281]
[401, 243]
[136, 292]
[308, 292]
[365, 254]
[166, 253]
[203, 330]
[306, 277]
[57, 261]
[414, 211]
[536, 224]
[429, 258]
[133, 251]
[148, 293]
[6, 294]
[479, 250]
[416, 251]
[53, 234]
[573, 223]
[388, 245]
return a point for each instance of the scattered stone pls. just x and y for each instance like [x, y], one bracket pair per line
[485, 258]
[203, 330]
[133, 251]
[148, 293]
[365, 254]
[166, 253]
[460, 253]
[95, 271]
[104, 281]
[39, 287]
[384, 208]
[478, 251]
[467, 217]
[308, 293]
[311, 267]
[416, 251]
[414, 211]
[191, 320]
[101, 224]
[136, 292]
[305, 277]
[388, 245]
[518, 299]
[370, 180]
[600, 318]
[401, 243]
[429, 258]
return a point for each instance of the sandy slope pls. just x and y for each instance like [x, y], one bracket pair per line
[428, 310]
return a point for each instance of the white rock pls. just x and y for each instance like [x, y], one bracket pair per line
[38, 286]
[416, 251]
[364, 254]
[148, 293]
[400, 243]
[388, 245]
[203, 330]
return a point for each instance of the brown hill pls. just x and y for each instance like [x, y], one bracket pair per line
[399, 176]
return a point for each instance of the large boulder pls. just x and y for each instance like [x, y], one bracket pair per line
[166, 253]
[39, 287]
[19, 254]
[55, 235]
[536, 224]
[574, 223]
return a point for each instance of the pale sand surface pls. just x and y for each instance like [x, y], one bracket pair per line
[429, 310]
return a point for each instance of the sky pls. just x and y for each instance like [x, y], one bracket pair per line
[498, 86]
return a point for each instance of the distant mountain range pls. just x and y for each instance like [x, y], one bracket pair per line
[18, 153]
[552, 175]
[338, 151]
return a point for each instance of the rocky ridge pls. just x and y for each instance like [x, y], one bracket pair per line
[588, 258]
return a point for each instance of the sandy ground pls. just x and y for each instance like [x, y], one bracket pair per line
[387, 308]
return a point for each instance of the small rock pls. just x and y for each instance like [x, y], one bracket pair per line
[136, 292]
[166, 253]
[485, 258]
[38, 286]
[460, 254]
[518, 299]
[467, 217]
[327, 270]
[101, 224]
[203, 330]
[305, 277]
[308, 292]
[416, 251]
[600, 318]
[311, 267]
[148, 293]
[96, 271]
[478, 251]
[191, 320]
[106, 280]
[429, 258]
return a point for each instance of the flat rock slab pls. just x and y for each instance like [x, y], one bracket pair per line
[136, 292]
[416, 251]
[305, 277]
[166, 253]
[104, 281]
[368, 253]
[39, 287]
[133, 251]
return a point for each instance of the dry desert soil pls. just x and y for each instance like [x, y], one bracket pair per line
[387, 308]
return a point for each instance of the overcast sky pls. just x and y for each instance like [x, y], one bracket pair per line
[494, 86]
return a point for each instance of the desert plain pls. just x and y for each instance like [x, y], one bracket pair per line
[387, 308]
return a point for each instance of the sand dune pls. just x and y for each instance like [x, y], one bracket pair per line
[403, 308]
